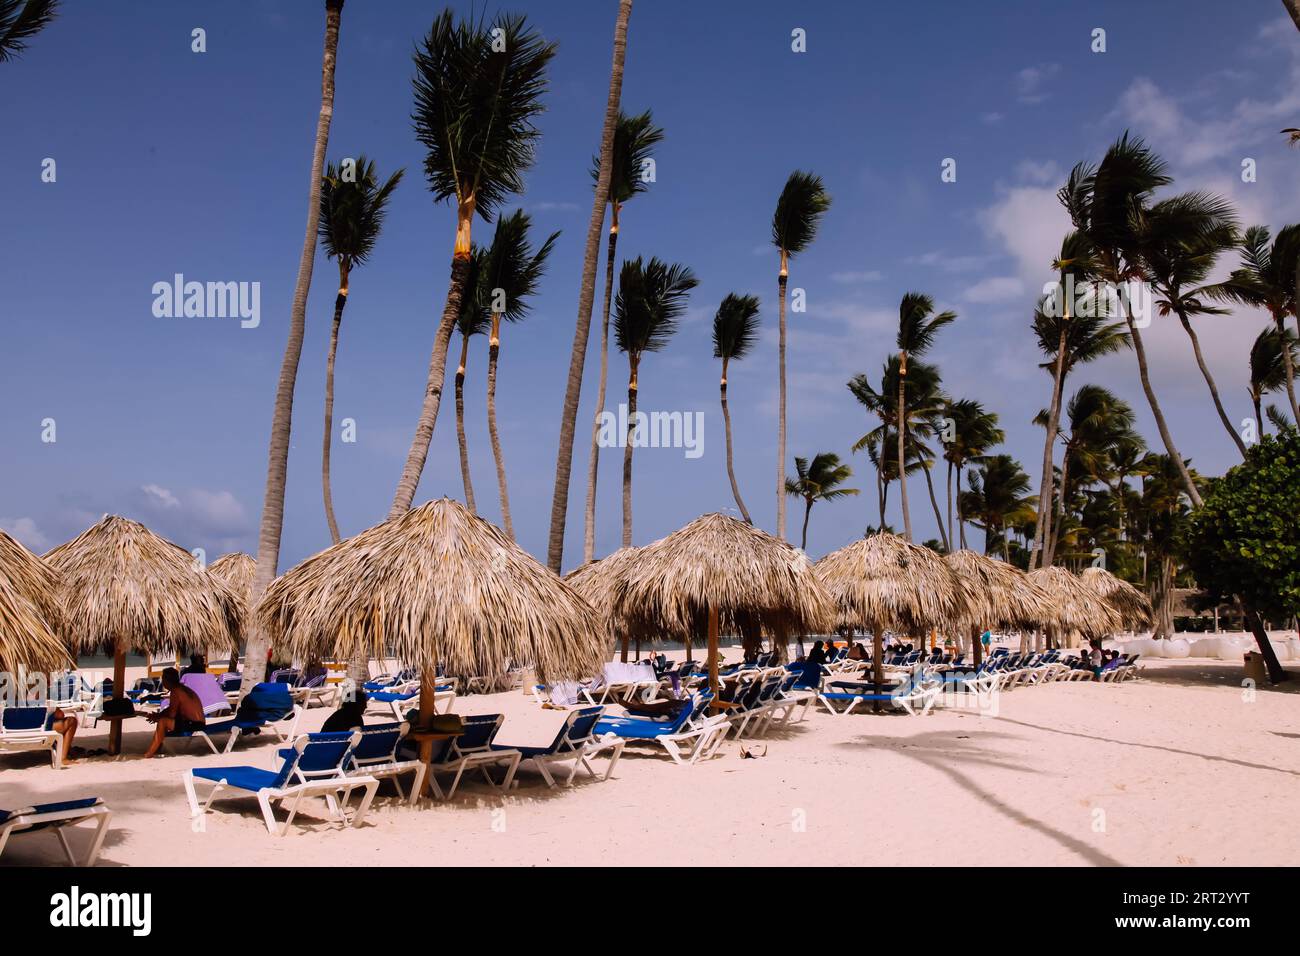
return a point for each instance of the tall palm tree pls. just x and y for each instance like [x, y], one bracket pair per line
[1182, 237]
[735, 330]
[473, 320]
[511, 273]
[799, 210]
[478, 87]
[1107, 203]
[1164, 514]
[635, 138]
[272, 521]
[1125, 460]
[818, 480]
[1268, 368]
[586, 293]
[998, 497]
[1267, 279]
[1056, 328]
[352, 208]
[20, 20]
[651, 297]
[917, 327]
[974, 432]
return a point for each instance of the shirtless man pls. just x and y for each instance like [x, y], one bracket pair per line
[184, 712]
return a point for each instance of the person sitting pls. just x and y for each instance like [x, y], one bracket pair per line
[817, 655]
[857, 652]
[349, 716]
[198, 665]
[183, 713]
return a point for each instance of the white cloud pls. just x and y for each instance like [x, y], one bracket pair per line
[869, 275]
[995, 289]
[1030, 223]
[26, 531]
[1031, 80]
[160, 496]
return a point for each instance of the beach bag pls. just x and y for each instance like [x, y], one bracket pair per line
[118, 707]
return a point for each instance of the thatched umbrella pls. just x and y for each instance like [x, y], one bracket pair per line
[883, 582]
[237, 569]
[31, 611]
[1003, 596]
[596, 581]
[126, 587]
[1132, 605]
[1078, 607]
[721, 569]
[437, 584]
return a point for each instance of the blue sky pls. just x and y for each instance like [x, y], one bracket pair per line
[170, 161]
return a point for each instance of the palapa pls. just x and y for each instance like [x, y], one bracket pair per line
[1004, 596]
[1131, 604]
[1078, 607]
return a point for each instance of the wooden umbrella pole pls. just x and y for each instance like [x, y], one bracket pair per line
[428, 687]
[977, 645]
[713, 650]
[119, 691]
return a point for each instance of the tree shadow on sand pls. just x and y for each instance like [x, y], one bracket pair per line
[1216, 674]
[938, 751]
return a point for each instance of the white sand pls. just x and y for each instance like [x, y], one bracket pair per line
[1175, 769]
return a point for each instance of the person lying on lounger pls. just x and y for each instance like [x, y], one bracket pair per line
[349, 716]
[184, 712]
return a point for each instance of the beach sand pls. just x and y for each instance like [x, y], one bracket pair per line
[1176, 769]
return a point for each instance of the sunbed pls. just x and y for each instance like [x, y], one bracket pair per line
[574, 743]
[473, 750]
[689, 736]
[60, 817]
[28, 726]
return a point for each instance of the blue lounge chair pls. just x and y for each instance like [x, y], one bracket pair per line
[575, 742]
[316, 765]
[267, 705]
[687, 737]
[59, 817]
[376, 755]
[474, 749]
[29, 726]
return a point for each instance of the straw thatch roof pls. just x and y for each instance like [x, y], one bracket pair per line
[125, 586]
[32, 579]
[27, 641]
[237, 570]
[883, 582]
[1003, 597]
[435, 585]
[596, 581]
[751, 577]
[1132, 605]
[1078, 607]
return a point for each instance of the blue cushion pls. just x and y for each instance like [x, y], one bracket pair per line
[244, 778]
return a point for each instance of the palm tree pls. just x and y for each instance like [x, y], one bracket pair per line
[998, 497]
[20, 20]
[1267, 279]
[511, 274]
[1070, 340]
[1107, 204]
[974, 432]
[917, 327]
[634, 140]
[799, 210]
[1164, 517]
[818, 480]
[352, 207]
[651, 297]
[586, 293]
[272, 521]
[1268, 368]
[473, 320]
[735, 330]
[1125, 459]
[881, 442]
[478, 88]
[1181, 239]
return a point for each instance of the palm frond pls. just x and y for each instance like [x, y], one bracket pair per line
[20, 20]
[799, 210]
[735, 326]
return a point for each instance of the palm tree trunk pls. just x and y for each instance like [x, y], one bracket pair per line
[1054, 525]
[902, 437]
[573, 388]
[961, 514]
[272, 522]
[419, 452]
[880, 491]
[731, 470]
[460, 425]
[589, 522]
[781, 280]
[1276, 673]
[938, 517]
[1006, 544]
[1043, 521]
[627, 452]
[807, 513]
[1289, 366]
[1168, 439]
[340, 301]
[494, 350]
[948, 484]
[1209, 380]
[1259, 418]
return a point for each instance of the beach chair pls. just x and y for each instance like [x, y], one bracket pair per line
[474, 749]
[376, 755]
[397, 696]
[66, 693]
[316, 765]
[211, 696]
[574, 743]
[623, 682]
[267, 705]
[60, 817]
[687, 737]
[29, 726]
